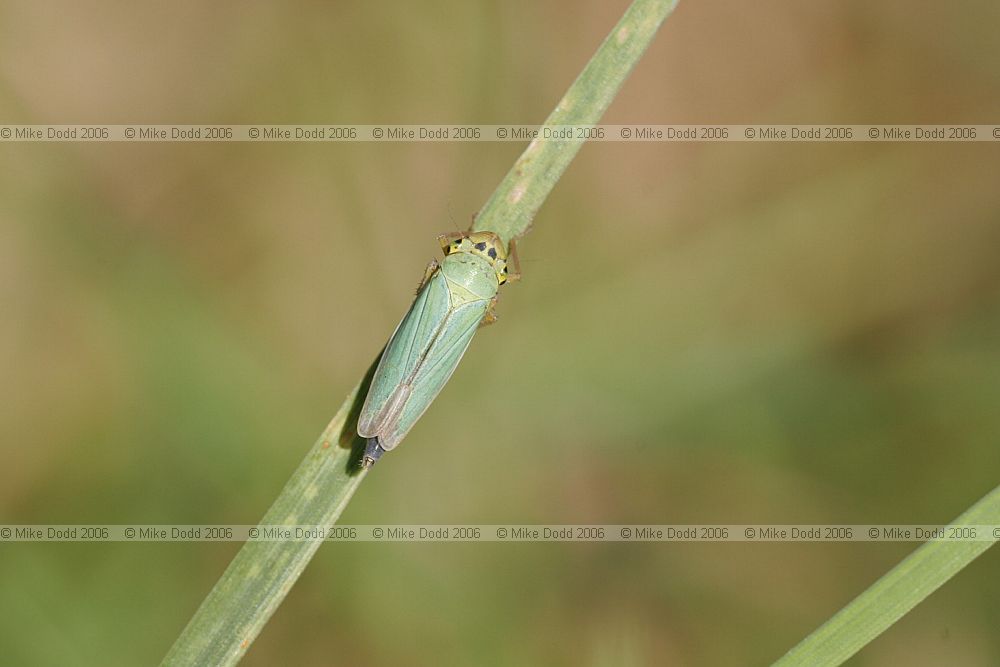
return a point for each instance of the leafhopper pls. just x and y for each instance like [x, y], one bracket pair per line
[455, 298]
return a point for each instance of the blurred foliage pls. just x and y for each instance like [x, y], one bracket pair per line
[715, 333]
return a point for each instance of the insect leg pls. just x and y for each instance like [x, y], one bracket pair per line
[513, 262]
[491, 315]
[431, 268]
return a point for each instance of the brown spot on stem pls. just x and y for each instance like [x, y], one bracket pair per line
[517, 193]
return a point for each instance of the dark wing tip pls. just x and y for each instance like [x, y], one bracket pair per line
[373, 452]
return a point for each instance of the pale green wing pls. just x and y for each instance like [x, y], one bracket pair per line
[407, 346]
[433, 372]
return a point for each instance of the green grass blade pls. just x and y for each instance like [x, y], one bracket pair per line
[896, 593]
[513, 205]
[262, 573]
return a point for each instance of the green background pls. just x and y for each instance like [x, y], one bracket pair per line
[705, 333]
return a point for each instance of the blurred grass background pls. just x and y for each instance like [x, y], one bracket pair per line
[715, 333]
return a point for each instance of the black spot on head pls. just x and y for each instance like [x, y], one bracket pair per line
[492, 253]
[481, 245]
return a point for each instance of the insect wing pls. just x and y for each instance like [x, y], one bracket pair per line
[436, 368]
[406, 348]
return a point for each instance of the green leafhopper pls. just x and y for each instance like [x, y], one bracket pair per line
[454, 299]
